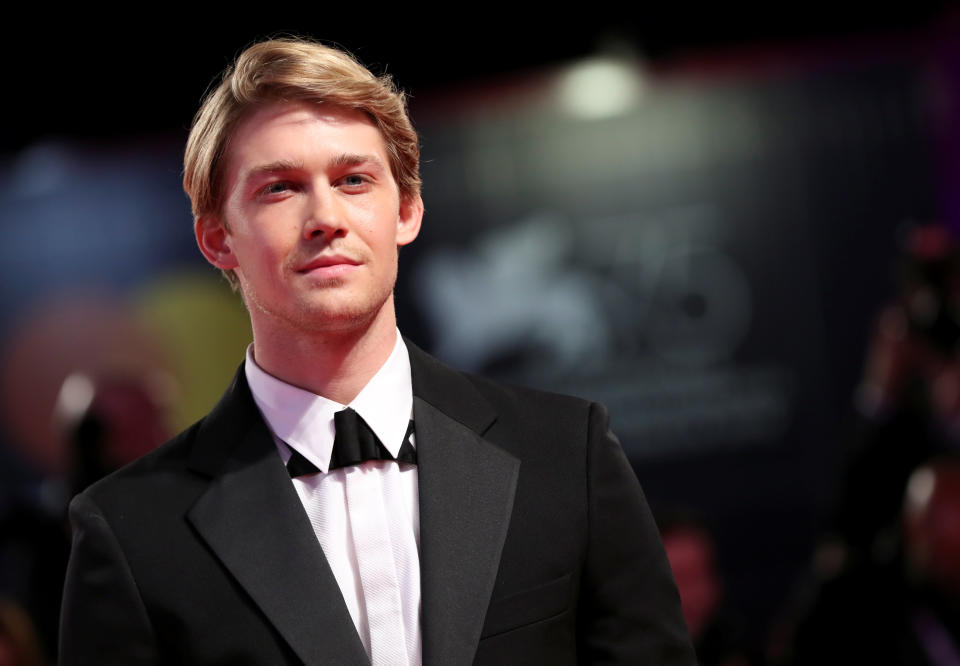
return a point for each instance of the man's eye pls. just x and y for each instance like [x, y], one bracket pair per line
[354, 180]
[276, 188]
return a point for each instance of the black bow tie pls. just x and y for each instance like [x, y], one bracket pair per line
[354, 443]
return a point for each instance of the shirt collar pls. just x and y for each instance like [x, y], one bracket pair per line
[304, 421]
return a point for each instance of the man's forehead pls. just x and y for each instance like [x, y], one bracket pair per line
[262, 139]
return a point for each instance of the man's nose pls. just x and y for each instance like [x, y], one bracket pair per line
[325, 216]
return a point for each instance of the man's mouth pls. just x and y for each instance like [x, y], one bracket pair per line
[329, 265]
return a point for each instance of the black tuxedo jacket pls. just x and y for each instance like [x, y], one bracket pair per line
[536, 545]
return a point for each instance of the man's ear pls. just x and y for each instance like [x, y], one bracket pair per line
[214, 241]
[409, 219]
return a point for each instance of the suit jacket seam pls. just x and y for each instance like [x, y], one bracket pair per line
[585, 564]
[588, 486]
[99, 515]
[126, 565]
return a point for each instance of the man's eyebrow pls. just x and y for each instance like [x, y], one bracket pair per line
[352, 159]
[274, 167]
[340, 161]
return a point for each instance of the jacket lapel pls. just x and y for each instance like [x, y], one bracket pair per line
[467, 487]
[252, 519]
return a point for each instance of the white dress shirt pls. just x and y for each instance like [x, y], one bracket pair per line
[366, 517]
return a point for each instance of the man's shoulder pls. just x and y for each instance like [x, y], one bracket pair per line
[149, 477]
[500, 394]
[520, 418]
[187, 460]
[512, 396]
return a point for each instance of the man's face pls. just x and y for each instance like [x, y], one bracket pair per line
[312, 218]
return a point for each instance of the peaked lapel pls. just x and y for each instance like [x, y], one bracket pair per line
[467, 487]
[253, 520]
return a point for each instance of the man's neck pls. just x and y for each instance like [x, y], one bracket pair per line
[333, 364]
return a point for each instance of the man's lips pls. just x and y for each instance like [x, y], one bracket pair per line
[331, 261]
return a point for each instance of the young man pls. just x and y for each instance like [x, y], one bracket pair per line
[350, 499]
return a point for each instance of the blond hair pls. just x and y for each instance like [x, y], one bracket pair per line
[293, 69]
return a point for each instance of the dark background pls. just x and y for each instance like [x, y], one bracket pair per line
[102, 74]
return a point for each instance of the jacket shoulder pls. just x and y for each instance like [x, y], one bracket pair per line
[506, 396]
[540, 426]
[165, 467]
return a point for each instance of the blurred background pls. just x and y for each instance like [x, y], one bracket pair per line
[736, 230]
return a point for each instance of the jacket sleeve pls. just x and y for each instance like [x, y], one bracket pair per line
[629, 611]
[103, 620]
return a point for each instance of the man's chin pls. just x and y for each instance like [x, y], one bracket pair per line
[342, 317]
[333, 309]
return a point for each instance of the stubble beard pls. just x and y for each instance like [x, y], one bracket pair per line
[308, 317]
